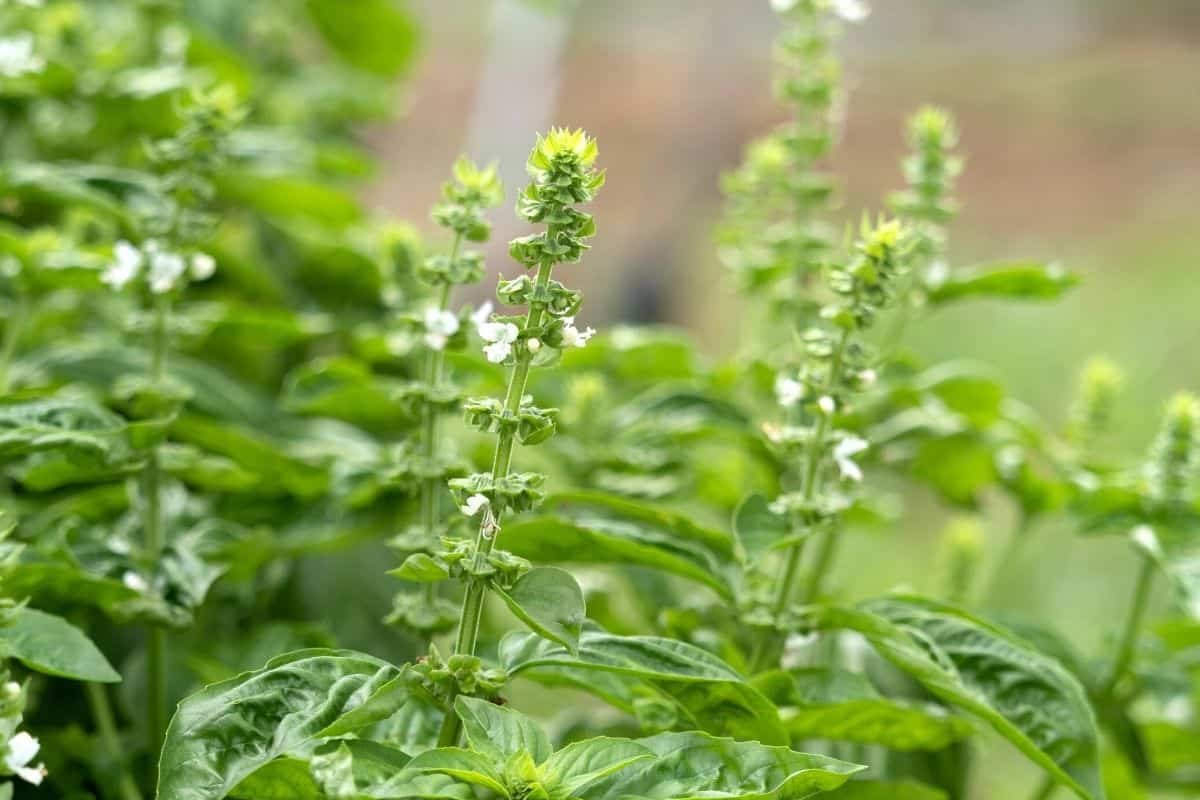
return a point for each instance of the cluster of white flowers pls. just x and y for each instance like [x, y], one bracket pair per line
[500, 336]
[20, 751]
[17, 57]
[164, 268]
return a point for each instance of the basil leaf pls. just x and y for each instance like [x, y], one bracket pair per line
[51, 645]
[498, 732]
[226, 731]
[1026, 696]
[581, 764]
[550, 602]
[587, 528]
[692, 766]
[1018, 280]
[844, 706]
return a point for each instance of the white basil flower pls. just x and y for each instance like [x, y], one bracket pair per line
[572, 336]
[203, 266]
[21, 749]
[481, 315]
[439, 327]
[134, 581]
[475, 503]
[843, 454]
[851, 10]
[126, 264]
[17, 57]
[501, 336]
[166, 268]
[788, 391]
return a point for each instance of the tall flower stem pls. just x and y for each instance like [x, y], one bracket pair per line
[785, 585]
[472, 611]
[435, 360]
[156, 644]
[97, 698]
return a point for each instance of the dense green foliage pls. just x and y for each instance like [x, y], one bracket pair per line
[218, 371]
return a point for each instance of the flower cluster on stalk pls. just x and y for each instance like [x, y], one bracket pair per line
[465, 199]
[775, 235]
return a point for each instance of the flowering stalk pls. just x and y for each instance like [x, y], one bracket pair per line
[160, 268]
[464, 200]
[774, 235]
[1170, 474]
[563, 175]
[837, 365]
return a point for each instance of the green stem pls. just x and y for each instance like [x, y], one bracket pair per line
[784, 587]
[1133, 627]
[12, 335]
[97, 697]
[472, 611]
[156, 638]
[435, 360]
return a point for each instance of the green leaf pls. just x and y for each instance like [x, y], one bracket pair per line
[550, 602]
[499, 732]
[1026, 696]
[51, 645]
[959, 466]
[758, 528]
[422, 568]
[586, 528]
[281, 779]
[581, 764]
[692, 765]
[844, 706]
[707, 691]
[1019, 280]
[70, 426]
[465, 765]
[372, 35]
[227, 731]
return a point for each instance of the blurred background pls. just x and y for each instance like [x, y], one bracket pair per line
[1081, 126]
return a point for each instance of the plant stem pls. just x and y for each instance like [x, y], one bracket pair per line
[12, 335]
[97, 697]
[472, 611]
[784, 588]
[1133, 626]
[156, 640]
[435, 359]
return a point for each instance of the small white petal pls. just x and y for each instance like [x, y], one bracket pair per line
[441, 322]
[481, 315]
[827, 405]
[134, 581]
[1146, 539]
[843, 453]
[12, 690]
[435, 341]
[851, 10]
[33, 775]
[533, 345]
[165, 271]
[203, 266]
[496, 352]
[475, 503]
[788, 391]
[499, 332]
[21, 749]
